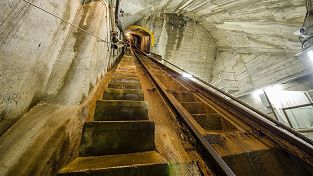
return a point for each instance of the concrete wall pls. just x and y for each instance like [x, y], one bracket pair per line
[247, 33]
[53, 72]
[183, 42]
[45, 59]
[303, 83]
[252, 71]
[188, 45]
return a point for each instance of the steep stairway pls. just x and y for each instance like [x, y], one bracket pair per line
[120, 140]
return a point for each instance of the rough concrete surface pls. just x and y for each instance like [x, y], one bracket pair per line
[140, 164]
[44, 59]
[47, 137]
[183, 42]
[255, 39]
[41, 142]
[48, 61]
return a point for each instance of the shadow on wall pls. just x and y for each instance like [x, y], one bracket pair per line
[183, 41]
[176, 25]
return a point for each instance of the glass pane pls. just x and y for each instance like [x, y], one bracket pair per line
[301, 118]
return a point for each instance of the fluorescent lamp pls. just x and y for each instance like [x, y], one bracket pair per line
[187, 75]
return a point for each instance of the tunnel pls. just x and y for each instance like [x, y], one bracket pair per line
[139, 37]
[156, 88]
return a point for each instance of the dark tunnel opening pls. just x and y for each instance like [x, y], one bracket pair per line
[139, 38]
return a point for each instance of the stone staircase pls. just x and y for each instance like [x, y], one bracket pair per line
[120, 140]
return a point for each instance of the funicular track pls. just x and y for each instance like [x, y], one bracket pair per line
[234, 139]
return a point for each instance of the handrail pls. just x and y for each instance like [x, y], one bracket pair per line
[279, 124]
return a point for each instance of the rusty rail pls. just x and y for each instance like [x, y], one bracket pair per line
[250, 108]
[289, 140]
[220, 167]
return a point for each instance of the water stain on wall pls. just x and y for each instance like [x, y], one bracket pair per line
[175, 26]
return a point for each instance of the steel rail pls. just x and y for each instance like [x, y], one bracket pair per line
[293, 144]
[221, 168]
[249, 107]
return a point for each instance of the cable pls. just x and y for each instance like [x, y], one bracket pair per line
[99, 38]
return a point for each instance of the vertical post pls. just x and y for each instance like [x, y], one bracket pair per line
[271, 106]
[287, 118]
[112, 16]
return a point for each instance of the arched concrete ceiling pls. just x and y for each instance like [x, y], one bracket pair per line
[242, 25]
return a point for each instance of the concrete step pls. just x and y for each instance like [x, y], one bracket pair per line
[266, 162]
[126, 79]
[213, 121]
[125, 73]
[116, 137]
[124, 85]
[185, 97]
[115, 110]
[123, 94]
[134, 164]
[209, 121]
[130, 68]
[117, 76]
[197, 108]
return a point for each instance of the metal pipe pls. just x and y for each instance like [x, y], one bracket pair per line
[111, 6]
